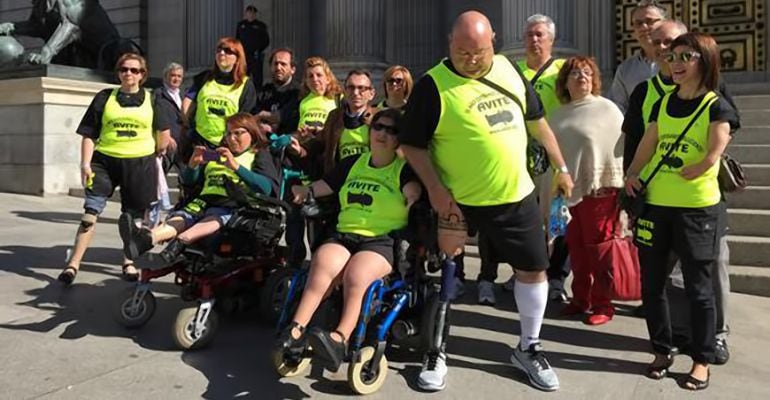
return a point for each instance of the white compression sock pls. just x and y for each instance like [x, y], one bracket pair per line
[531, 299]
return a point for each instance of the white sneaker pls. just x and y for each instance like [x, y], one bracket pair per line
[433, 374]
[509, 285]
[486, 293]
[533, 362]
[459, 288]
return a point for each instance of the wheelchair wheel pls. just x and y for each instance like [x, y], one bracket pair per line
[134, 315]
[360, 379]
[274, 293]
[183, 330]
[288, 368]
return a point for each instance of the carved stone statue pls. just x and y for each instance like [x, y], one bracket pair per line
[76, 32]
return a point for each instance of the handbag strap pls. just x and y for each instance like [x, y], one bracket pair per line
[541, 70]
[671, 149]
[502, 90]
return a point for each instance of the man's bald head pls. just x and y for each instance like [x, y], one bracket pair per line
[662, 36]
[471, 45]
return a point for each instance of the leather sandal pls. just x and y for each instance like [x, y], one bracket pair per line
[694, 384]
[68, 274]
[130, 273]
[330, 351]
[660, 371]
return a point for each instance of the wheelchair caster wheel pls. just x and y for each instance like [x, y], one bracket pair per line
[188, 334]
[360, 377]
[134, 307]
[288, 368]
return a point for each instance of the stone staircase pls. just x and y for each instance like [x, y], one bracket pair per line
[749, 211]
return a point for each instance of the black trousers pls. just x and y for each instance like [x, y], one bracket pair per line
[693, 235]
[558, 268]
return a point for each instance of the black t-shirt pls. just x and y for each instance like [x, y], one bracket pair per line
[721, 110]
[91, 124]
[337, 176]
[422, 112]
[248, 97]
[284, 100]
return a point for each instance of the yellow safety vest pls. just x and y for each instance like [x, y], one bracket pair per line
[371, 202]
[215, 174]
[656, 89]
[215, 103]
[313, 110]
[353, 141]
[546, 83]
[126, 131]
[480, 144]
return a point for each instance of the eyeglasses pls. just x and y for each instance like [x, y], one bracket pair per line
[238, 132]
[649, 22]
[227, 50]
[353, 88]
[575, 73]
[663, 42]
[135, 71]
[383, 127]
[395, 81]
[685, 56]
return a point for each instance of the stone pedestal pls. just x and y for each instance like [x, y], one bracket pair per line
[39, 149]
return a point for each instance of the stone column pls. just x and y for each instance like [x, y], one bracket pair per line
[291, 28]
[206, 22]
[356, 35]
[515, 14]
[416, 34]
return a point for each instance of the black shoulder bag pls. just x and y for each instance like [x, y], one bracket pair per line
[634, 206]
[537, 157]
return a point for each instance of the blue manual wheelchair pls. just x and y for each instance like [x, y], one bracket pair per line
[408, 304]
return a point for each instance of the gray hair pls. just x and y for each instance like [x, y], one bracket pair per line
[677, 23]
[172, 66]
[543, 19]
[650, 4]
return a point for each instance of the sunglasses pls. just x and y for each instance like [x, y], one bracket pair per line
[684, 56]
[575, 73]
[384, 127]
[135, 71]
[227, 50]
[362, 89]
[395, 81]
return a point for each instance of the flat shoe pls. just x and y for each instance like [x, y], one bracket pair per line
[330, 352]
[67, 276]
[659, 372]
[694, 384]
[130, 274]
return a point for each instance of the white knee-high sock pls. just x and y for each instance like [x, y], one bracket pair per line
[531, 299]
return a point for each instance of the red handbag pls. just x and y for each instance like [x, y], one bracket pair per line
[620, 258]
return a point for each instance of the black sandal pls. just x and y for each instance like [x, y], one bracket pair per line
[659, 372]
[287, 342]
[694, 384]
[330, 351]
[130, 276]
[67, 276]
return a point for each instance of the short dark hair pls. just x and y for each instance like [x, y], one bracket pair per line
[391, 113]
[358, 72]
[251, 8]
[709, 60]
[282, 50]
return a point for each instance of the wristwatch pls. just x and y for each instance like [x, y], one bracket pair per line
[563, 169]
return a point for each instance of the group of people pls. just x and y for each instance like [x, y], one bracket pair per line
[458, 136]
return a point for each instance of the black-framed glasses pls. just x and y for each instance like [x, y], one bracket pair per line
[135, 71]
[684, 56]
[227, 50]
[379, 126]
[360, 88]
[395, 81]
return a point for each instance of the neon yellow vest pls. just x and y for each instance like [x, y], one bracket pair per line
[371, 202]
[314, 109]
[353, 141]
[546, 83]
[216, 102]
[668, 188]
[655, 90]
[216, 173]
[480, 144]
[126, 131]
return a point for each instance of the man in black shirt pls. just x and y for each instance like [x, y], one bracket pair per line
[253, 35]
[278, 100]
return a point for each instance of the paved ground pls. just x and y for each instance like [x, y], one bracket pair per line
[60, 343]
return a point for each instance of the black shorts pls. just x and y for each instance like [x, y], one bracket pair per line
[382, 245]
[514, 230]
[136, 177]
[691, 233]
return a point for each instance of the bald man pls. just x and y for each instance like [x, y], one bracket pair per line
[465, 134]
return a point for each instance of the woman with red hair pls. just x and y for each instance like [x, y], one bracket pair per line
[216, 94]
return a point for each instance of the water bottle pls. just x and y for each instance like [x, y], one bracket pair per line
[559, 217]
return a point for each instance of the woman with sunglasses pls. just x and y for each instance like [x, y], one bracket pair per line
[216, 94]
[375, 192]
[397, 85]
[121, 134]
[683, 206]
[587, 127]
[237, 161]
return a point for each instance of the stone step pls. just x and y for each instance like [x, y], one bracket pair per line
[755, 117]
[752, 102]
[754, 197]
[750, 153]
[752, 135]
[750, 280]
[758, 174]
[749, 250]
[743, 222]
